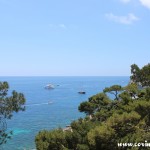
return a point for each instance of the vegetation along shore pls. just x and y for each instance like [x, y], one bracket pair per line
[108, 122]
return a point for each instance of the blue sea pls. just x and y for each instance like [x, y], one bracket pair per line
[62, 109]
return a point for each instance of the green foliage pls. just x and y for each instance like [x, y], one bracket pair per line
[72, 139]
[82, 147]
[126, 119]
[141, 76]
[135, 71]
[101, 136]
[115, 89]
[8, 105]
[94, 104]
[132, 90]
[54, 140]
[147, 94]
[82, 127]
[100, 101]
[123, 123]
[87, 108]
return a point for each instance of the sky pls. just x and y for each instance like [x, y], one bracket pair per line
[73, 37]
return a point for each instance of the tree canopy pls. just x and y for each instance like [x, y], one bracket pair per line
[8, 105]
[141, 76]
[114, 89]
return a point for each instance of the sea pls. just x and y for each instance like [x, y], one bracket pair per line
[48, 109]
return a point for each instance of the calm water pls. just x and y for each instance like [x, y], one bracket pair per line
[61, 112]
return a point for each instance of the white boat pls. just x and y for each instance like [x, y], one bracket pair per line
[49, 86]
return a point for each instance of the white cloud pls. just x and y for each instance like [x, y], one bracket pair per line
[56, 26]
[145, 3]
[129, 19]
[125, 1]
[62, 26]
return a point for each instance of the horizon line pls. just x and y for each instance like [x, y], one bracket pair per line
[67, 76]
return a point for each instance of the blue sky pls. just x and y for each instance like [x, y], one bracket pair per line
[73, 37]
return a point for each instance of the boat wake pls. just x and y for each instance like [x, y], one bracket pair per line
[38, 104]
